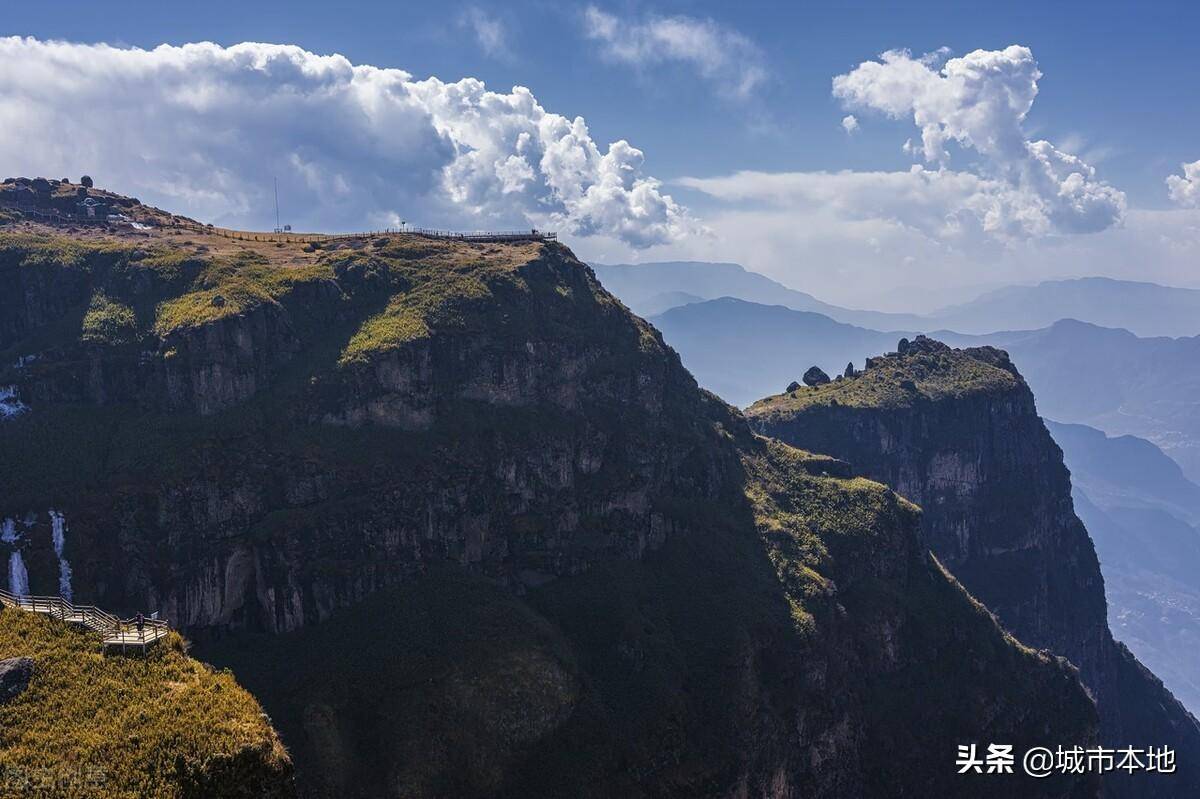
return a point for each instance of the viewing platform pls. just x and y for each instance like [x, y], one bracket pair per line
[114, 631]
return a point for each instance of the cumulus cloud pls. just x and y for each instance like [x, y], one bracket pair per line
[1008, 210]
[202, 129]
[1185, 189]
[724, 57]
[980, 102]
[850, 123]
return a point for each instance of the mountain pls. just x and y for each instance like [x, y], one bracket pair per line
[1077, 371]
[1142, 514]
[1081, 373]
[1114, 381]
[86, 724]
[1126, 471]
[657, 303]
[468, 528]
[646, 288]
[1146, 309]
[743, 350]
[957, 432]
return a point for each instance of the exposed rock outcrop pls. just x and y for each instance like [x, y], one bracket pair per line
[815, 376]
[956, 431]
[15, 674]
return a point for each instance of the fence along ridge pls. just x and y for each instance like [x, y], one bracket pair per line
[484, 236]
[115, 630]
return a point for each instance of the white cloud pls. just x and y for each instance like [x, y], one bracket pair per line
[1013, 210]
[850, 123]
[1185, 190]
[490, 32]
[980, 101]
[724, 57]
[946, 207]
[883, 240]
[202, 129]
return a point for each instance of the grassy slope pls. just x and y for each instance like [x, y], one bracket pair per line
[935, 375]
[398, 288]
[113, 726]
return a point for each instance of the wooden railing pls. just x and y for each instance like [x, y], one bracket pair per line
[114, 630]
[318, 238]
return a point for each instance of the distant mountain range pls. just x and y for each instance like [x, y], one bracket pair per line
[649, 288]
[1109, 379]
[1145, 309]
[744, 351]
[1112, 380]
[1142, 514]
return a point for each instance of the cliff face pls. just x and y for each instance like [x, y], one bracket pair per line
[957, 432]
[468, 528]
[252, 449]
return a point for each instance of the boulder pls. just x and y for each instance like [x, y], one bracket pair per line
[815, 376]
[793, 386]
[15, 674]
[902, 347]
[849, 370]
[924, 344]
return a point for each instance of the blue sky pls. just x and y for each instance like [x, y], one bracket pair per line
[1117, 90]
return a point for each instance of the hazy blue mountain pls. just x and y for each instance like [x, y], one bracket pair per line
[644, 286]
[1079, 372]
[657, 303]
[1141, 513]
[1111, 380]
[1127, 470]
[1146, 309]
[743, 350]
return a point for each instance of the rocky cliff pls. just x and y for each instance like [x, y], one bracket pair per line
[957, 432]
[469, 529]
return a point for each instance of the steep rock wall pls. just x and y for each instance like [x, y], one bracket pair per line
[957, 432]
